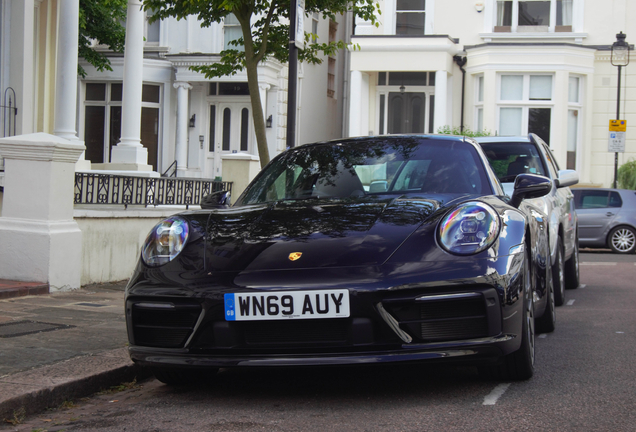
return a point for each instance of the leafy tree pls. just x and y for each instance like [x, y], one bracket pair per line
[103, 21]
[627, 175]
[265, 34]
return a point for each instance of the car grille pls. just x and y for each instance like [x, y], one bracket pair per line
[442, 319]
[165, 325]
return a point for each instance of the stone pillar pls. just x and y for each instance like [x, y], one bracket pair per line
[263, 89]
[181, 150]
[41, 242]
[240, 169]
[66, 71]
[441, 100]
[359, 104]
[129, 154]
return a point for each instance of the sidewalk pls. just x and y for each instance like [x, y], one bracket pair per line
[56, 347]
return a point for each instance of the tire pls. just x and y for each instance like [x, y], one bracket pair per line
[572, 280]
[519, 365]
[622, 239]
[558, 275]
[547, 322]
[183, 377]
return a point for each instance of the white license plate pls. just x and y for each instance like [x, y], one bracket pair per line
[287, 305]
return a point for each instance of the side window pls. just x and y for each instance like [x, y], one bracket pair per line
[594, 199]
[615, 200]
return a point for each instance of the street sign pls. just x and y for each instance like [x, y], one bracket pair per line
[616, 139]
[299, 39]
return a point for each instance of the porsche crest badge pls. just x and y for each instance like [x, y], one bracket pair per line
[294, 256]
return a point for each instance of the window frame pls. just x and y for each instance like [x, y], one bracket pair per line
[551, 27]
[525, 103]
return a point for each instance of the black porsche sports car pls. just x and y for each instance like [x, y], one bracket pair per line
[365, 250]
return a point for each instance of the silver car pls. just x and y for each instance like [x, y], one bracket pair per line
[510, 156]
[607, 218]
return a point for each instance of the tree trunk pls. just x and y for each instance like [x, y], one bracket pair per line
[257, 111]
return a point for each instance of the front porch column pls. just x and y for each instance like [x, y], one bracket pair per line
[181, 145]
[66, 71]
[129, 154]
[40, 241]
[441, 100]
[359, 104]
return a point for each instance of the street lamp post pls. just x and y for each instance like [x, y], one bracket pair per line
[620, 58]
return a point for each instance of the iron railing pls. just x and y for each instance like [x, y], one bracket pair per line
[107, 189]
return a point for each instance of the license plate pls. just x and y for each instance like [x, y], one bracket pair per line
[287, 305]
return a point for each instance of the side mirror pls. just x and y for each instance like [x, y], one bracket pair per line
[567, 178]
[214, 200]
[529, 186]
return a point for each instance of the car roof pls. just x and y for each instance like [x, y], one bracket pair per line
[502, 139]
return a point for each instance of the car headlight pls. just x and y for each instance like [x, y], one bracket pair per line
[469, 229]
[165, 241]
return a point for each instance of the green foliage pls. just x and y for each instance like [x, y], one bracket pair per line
[447, 130]
[627, 175]
[103, 21]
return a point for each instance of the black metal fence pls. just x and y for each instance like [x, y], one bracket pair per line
[107, 189]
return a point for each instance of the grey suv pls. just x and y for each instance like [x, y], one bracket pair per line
[510, 156]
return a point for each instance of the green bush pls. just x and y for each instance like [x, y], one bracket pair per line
[627, 175]
[447, 130]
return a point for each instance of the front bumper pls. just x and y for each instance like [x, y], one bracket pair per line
[421, 315]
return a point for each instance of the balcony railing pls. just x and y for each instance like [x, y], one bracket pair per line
[107, 189]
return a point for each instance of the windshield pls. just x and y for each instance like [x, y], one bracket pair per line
[508, 159]
[370, 167]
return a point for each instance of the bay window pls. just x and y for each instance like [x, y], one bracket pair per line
[525, 104]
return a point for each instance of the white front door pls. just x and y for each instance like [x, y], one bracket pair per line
[231, 131]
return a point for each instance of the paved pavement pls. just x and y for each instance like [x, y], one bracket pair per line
[56, 347]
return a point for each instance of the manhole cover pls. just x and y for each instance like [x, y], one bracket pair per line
[21, 328]
[90, 304]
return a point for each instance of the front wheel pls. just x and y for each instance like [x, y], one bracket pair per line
[519, 365]
[572, 280]
[558, 275]
[622, 240]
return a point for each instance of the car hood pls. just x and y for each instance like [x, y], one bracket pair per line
[311, 233]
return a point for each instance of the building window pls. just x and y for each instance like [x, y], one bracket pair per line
[479, 103]
[314, 26]
[525, 105]
[231, 32]
[574, 109]
[152, 30]
[410, 17]
[331, 66]
[102, 120]
[534, 16]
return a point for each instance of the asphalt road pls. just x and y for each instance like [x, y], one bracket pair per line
[585, 381]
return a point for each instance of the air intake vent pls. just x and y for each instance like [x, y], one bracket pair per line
[296, 332]
[163, 325]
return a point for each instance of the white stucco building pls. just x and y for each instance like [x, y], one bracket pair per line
[538, 66]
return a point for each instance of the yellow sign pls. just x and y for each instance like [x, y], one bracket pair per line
[618, 125]
[294, 256]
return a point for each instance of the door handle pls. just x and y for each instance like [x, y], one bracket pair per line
[609, 214]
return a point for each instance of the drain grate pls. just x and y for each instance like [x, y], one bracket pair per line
[22, 328]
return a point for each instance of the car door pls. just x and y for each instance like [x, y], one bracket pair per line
[596, 210]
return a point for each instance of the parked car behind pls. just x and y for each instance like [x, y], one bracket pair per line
[511, 156]
[607, 218]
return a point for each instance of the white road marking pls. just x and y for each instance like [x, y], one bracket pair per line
[582, 286]
[620, 332]
[599, 263]
[570, 302]
[495, 394]
[542, 336]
